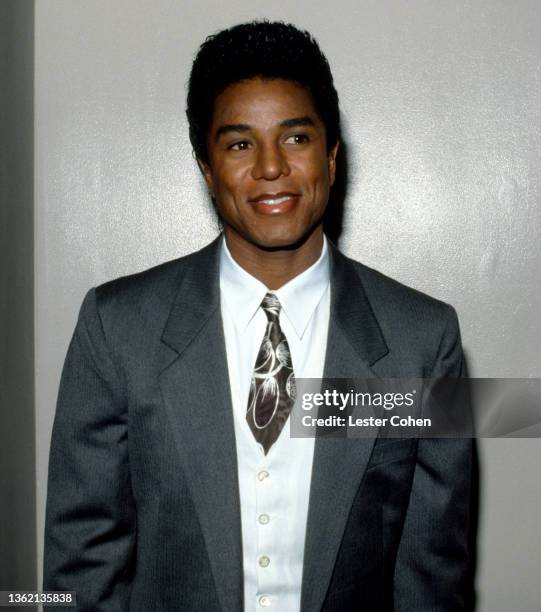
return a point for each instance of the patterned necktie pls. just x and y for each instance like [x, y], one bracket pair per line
[272, 390]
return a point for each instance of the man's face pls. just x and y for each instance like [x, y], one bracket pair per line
[268, 169]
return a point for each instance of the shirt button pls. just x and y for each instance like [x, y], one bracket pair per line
[264, 601]
[263, 519]
[264, 561]
[262, 475]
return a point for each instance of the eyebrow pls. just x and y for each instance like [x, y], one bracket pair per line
[297, 122]
[232, 127]
[244, 127]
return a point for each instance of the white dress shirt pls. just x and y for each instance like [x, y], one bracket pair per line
[274, 488]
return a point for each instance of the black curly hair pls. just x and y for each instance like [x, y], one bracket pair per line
[258, 49]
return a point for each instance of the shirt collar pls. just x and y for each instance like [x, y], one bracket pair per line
[299, 298]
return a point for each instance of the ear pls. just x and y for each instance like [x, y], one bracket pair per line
[331, 159]
[207, 175]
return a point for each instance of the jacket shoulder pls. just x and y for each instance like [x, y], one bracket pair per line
[391, 296]
[142, 302]
[159, 283]
[412, 322]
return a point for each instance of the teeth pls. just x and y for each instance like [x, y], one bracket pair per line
[274, 201]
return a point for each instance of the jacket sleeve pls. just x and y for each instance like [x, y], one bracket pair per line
[431, 571]
[90, 518]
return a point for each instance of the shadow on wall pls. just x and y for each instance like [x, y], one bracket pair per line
[334, 215]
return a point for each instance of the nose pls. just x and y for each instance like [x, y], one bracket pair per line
[270, 163]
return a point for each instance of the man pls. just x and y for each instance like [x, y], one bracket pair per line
[173, 482]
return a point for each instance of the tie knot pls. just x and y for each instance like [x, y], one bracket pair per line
[271, 306]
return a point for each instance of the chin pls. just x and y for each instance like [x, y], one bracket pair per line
[282, 240]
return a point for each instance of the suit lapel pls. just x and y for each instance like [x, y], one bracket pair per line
[196, 392]
[354, 344]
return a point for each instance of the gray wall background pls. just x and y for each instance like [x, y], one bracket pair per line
[441, 102]
[17, 447]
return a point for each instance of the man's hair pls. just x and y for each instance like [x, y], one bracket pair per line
[258, 49]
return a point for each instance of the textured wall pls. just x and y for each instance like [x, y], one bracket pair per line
[443, 134]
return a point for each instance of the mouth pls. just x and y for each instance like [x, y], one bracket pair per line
[274, 203]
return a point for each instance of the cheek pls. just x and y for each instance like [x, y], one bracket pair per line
[229, 190]
[319, 184]
[315, 170]
[230, 181]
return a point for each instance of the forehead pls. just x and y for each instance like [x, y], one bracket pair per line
[262, 102]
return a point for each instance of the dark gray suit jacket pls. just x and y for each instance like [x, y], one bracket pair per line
[143, 508]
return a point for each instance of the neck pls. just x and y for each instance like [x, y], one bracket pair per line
[274, 268]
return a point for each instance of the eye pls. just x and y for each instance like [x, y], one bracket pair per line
[297, 139]
[241, 145]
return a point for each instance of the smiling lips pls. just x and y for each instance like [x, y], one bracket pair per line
[274, 203]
